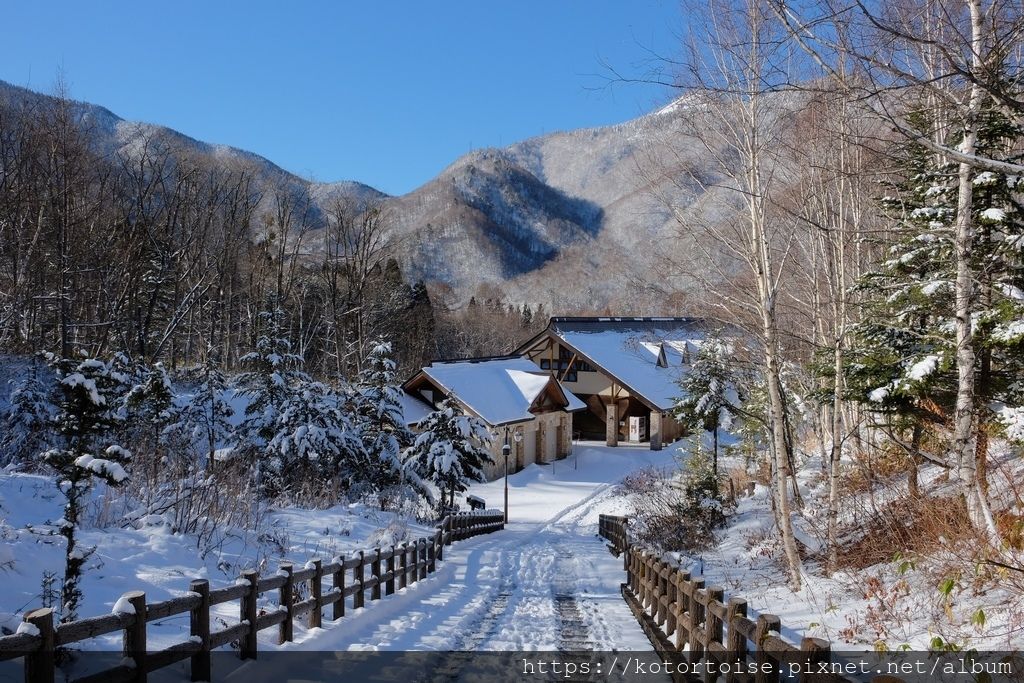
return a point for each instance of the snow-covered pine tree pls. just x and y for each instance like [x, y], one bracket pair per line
[204, 420]
[903, 362]
[28, 420]
[149, 408]
[382, 427]
[709, 392]
[450, 451]
[314, 443]
[272, 372]
[89, 414]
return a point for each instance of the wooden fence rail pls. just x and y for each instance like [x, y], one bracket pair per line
[301, 595]
[680, 614]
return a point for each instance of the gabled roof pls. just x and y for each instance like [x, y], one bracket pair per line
[644, 355]
[499, 390]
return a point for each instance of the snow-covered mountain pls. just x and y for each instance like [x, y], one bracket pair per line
[575, 219]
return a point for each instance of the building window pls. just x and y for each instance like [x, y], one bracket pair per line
[545, 364]
[570, 376]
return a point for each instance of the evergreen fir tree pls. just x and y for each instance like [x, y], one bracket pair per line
[272, 373]
[709, 392]
[382, 427]
[89, 414]
[450, 451]
[204, 420]
[313, 442]
[28, 420]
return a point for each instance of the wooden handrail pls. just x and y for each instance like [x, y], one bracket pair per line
[409, 562]
[680, 614]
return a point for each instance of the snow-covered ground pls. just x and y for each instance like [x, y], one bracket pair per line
[890, 605]
[161, 563]
[546, 582]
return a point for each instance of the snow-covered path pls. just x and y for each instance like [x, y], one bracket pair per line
[546, 582]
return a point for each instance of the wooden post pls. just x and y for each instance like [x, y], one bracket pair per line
[389, 587]
[375, 573]
[339, 585]
[697, 603]
[736, 642]
[403, 566]
[248, 643]
[135, 634]
[431, 555]
[39, 665]
[611, 426]
[682, 580]
[286, 598]
[815, 650]
[767, 669]
[421, 561]
[673, 598]
[359, 598]
[316, 592]
[654, 425]
[199, 627]
[712, 625]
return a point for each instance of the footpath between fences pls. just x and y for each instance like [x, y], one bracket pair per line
[693, 627]
[38, 638]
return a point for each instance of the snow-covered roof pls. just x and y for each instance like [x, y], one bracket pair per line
[629, 349]
[499, 390]
[414, 409]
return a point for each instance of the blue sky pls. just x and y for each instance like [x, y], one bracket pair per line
[387, 93]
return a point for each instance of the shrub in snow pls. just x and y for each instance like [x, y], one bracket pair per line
[89, 413]
[677, 511]
[449, 452]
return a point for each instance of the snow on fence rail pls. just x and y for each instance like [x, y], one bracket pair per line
[400, 565]
[679, 613]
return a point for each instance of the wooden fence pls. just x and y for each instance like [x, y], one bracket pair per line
[679, 613]
[389, 568]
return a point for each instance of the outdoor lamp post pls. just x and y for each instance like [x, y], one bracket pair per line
[505, 450]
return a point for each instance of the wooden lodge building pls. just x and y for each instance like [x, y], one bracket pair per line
[511, 395]
[626, 371]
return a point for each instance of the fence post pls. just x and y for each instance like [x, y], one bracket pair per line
[698, 600]
[199, 627]
[286, 598]
[683, 616]
[421, 561]
[403, 562]
[815, 650]
[736, 642]
[39, 665]
[673, 598]
[135, 634]
[359, 598]
[375, 570]
[712, 624]
[766, 670]
[316, 592]
[431, 550]
[339, 585]
[389, 587]
[248, 645]
[448, 530]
